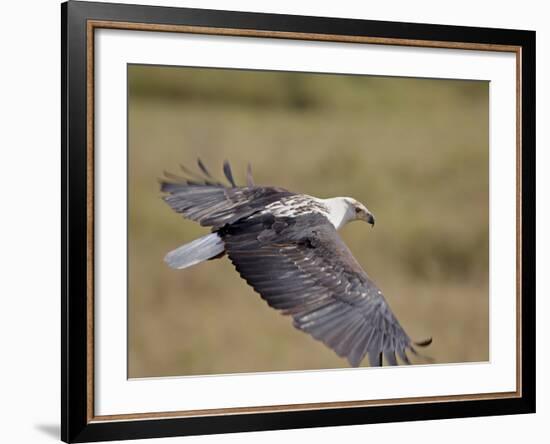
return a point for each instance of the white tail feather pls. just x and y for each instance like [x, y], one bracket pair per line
[199, 250]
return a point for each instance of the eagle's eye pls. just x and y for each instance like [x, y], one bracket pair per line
[357, 210]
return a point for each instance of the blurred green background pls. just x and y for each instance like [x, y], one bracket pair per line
[415, 151]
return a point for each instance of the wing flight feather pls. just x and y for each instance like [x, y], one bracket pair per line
[301, 267]
[212, 204]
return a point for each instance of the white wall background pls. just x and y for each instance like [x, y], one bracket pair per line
[30, 208]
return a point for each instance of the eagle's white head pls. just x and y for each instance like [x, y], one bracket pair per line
[346, 209]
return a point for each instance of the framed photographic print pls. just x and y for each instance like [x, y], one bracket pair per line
[275, 221]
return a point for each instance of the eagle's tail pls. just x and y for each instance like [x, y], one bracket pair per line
[201, 249]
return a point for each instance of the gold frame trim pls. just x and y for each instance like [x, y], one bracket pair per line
[97, 24]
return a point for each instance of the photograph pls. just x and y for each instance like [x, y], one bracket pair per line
[276, 221]
[287, 221]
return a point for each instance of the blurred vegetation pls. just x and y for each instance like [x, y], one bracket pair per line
[415, 151]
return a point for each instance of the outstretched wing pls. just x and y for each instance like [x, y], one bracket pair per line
[301, 267]
[211, 203]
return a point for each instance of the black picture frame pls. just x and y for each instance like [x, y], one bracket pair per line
[77, 425]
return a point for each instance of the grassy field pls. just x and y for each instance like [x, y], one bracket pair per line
[415, 151]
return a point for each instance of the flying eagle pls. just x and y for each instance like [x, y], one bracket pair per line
[286, 246]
